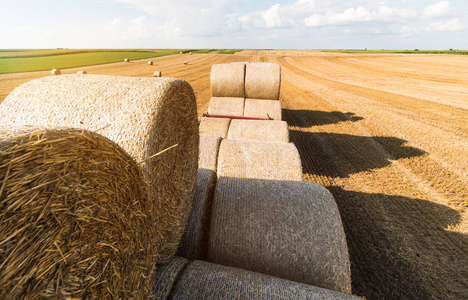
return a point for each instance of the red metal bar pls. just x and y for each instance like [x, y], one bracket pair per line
[235, 117]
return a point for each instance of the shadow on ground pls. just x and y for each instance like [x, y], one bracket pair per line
[309, 118]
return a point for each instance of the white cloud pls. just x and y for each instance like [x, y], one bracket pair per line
[452, 25]
[439, 9]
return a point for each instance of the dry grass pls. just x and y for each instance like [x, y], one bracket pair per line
[257, 130]
[214, 127]
[262, 81]
[226, 106]
[255, 108]
[227, 80]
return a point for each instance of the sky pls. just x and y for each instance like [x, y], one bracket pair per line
[239, 24]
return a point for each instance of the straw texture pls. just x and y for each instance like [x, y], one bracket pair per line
[255, 130]
[260, 160]
[262, 109]
[287, 229]
[262, 80]
[74, 216]
[194, 241]
[167, 276]
[203, 280]
[227, 80]
[142, 115]
[208, 156]
[214, 127]
[226, 106]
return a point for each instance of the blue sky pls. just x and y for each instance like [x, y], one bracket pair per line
[279, 24]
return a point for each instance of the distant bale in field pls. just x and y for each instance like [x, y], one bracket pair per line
[150, 62]
[74, 217]
[226, 106]
[126, 60]
[157, 74]
[260, 160]
[214, 127]
[208, 157]
[55, 72]
[185, 62]
[81, 72]
[256, 108]
[180, 52]
[190, 53]
[257, 130]
[262, 81]
[227, 80]
[145, 116]
[287, 229]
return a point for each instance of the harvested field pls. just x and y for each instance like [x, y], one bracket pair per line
[387, 134]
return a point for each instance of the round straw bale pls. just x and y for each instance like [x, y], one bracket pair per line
[257, 130]
[55, 72]
[180, 52]
[144, 116]
[227, 80]
[150, 62]
[262, 81]
[287, 229]
[194, 241]
[208, 156]
[262, 109]
[226, 106]
[81, 72]
[190, 53]
[74, 217]
[261, 160]
[185, 62]
[203, 280]
[157, 74]
[214, 127]
[167, 276]
[126, 60]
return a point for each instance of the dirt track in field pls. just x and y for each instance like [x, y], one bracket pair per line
[387, 134]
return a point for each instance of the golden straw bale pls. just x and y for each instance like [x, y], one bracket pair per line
[208, 156]
[145, 116]
[126, 60]
[214, 127]
[150, 63]
[262, 81]
[193, 243]
[74, 217]
[185, 62]
[260, 160]
[157, 74]
[226, 106]
[258, 130]
[227, 80]
[55, 72]
[81, 72]
[287, 229]
[262, 109]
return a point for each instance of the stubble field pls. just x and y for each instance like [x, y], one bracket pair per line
[387, 134]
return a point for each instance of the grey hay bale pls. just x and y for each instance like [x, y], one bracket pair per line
[287, 229]
[263, 109]
[126, 60]
[258, 130]
[226, 106]
[195, 239]
[157, 74]
[150, 62]
[153, 119]
[167, 276]
[55, 72]
[74, 217]
[214, 127]
[262, 81]
[260, 160]
[203, 280]
[81, 72]
[208, 156]
[227, 80]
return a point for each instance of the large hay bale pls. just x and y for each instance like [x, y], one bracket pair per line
[208, 156]
[74, 216]
[214, 127]
[226, 106]
[227, 80]
[287, 229]
[261, 160]
[144, 116]
[195, 239]
[167, 276]
[203, 280]
[255, 108]
[258, 130]
[55, 72]
[262, 81]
